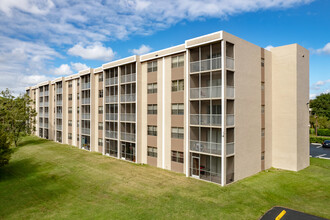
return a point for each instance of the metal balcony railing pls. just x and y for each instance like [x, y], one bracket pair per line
[111, 134]
[205, 65]
[85, 131]
[41, 93]
[128, 78]
[230, 63]
[59, 102]
[46, 114]
[127, 117]
[205, 119]
[86, 101]
[41, 104]
[205, 147]
[111, 116]
[59, 127]
[46, 93]
[45, 125]
[230, 119]
[230, 148]
[86, 85]
[230, 91]
[111, 81]
[46, 104]
[205, 92]
[59, 115]
[85, 116]
[41, 124]
[127, 97]
[110, 99]
[127, 136]
[41, 114]
[59, 91]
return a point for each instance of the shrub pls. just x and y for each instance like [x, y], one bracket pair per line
[5, 151]
[323, 132]
[315, 139]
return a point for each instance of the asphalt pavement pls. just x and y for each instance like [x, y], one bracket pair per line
[288, 214]
[317, 151]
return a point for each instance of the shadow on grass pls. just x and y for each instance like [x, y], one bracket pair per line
[17, 170]
[32, 141]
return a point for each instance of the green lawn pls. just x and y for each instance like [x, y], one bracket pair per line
[53, 181]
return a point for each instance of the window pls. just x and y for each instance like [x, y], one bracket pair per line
[77, 96]
[70, 123]
[70, 110]
[70, 97]
[177, 85]
[101, 77]
[177, 132]
[262, 86]
[152, 88]
[78, 110]
[262, 132]
[177, 156]
[70, 136]
[152, 66]
[177, 61]
[77, 124]
[100, 142]
[78, 83]
[78, 137]
[262, 155]
[262, 109]
[101, 93]
[70, 84]
[152, 151]
[262, 62]
[177, 109]
[152, 130]
[152, 109]
[100, 109]
[100, 125]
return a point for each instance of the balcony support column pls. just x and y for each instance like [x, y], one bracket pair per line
[223, 114]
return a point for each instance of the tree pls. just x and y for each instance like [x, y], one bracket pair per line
[17, 115]
[5, 151]
[321, 105]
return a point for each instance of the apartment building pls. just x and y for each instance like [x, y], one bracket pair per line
[216, 108]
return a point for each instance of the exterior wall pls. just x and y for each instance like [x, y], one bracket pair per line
[285, 78]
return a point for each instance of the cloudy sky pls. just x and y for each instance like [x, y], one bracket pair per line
[45, 39]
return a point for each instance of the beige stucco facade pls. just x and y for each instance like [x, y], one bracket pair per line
[216, 108]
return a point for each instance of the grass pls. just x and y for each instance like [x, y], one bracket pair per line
[46, 180]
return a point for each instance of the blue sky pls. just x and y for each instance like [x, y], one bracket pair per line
[45, 39]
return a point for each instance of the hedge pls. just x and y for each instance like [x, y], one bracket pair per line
[315, 139]
[323, 132]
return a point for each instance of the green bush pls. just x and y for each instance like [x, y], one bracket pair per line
[315, 139]
[323, 132]
[5, 151]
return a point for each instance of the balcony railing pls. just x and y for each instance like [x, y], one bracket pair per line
[41, 93]
[230, 119]
[85, 130]
[58, 115]
[205, 92]
[46, 93]
[85, 101]
[59, 127]
[111, 134]
[230, 63]
[111, 81]
[59, 91]
[205, 147]
[45, 125]
[112, 98]
[111, 116]
[41, 114]
[127, 136]
[41, 104]
[41, 124]
[127, 117]
[230, 91]
[46, 104]
[230, 148]
[128, 78]
[127, 98]
[205, 119]
[59, 102]
[205, 65]
[86, 85]
[85, 116]
[46, 114]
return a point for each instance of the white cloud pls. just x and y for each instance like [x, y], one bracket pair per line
[33, 7]
[324, 50]
[269, 47]
[142, 50]
[78, 66]
[319, 84]
[64, 69]
[95, 51]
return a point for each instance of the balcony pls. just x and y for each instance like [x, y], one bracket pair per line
[41, 114]
[40, 124]
[46, 104]
[111, 134]
[230, 120]
[205, 119]
[128, 78]
[59, 102]
[59, 115]
[111, 99]
[41, 104]
[85, 116]
[205, 92]
[127, 136]
[85, 131]
[85, 101]
[205, 147]
[46, 93]
[59, 127]
[45, 125]
[230, 64]
[46, 114]
[111, 81]
[59, 91]
[205, 65]
[41, 94]
[127, 117]
[127, 98]
[230, 148]
[86, 85]
[111, 116]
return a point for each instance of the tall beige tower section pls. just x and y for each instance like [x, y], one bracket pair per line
[290, 97]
